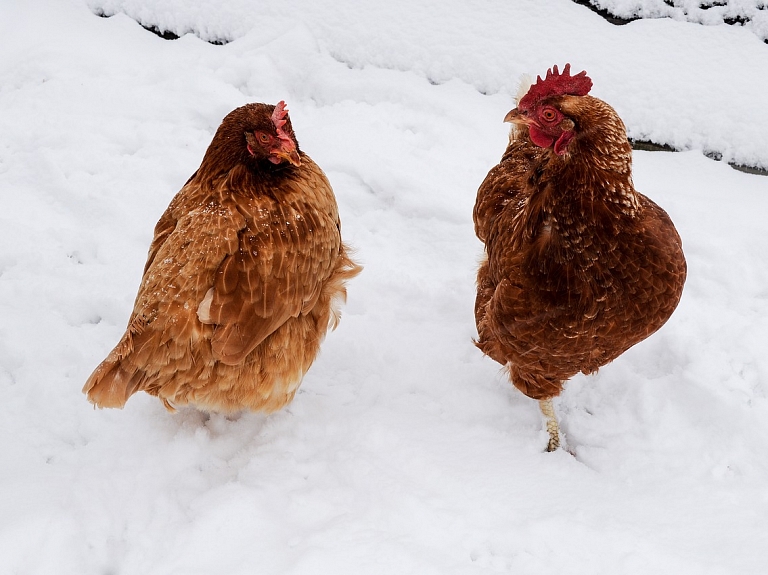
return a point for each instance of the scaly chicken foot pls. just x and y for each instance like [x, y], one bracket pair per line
[554, 431]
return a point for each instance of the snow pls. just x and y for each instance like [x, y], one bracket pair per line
[673, 82]
[753, 14]
[405, 450]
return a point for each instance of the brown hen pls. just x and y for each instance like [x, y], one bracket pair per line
[243, 278]
[579, 266]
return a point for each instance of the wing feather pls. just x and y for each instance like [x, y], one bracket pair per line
[286, 253]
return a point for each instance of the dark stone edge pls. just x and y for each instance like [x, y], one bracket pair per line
[620, 21]
[164, 34]
[649, 146]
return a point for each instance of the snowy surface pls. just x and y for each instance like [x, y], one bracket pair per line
[672, 82]
[405, 451]
[752, 14]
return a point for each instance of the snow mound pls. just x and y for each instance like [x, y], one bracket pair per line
[752, 14]
[672, 83]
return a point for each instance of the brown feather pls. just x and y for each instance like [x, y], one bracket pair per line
[579, 266]
[240, 285]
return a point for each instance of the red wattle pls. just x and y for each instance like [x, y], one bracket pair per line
[562, 143]
[540, 138]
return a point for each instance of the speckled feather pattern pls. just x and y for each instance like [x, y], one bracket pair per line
[579, 266]
[264, 251]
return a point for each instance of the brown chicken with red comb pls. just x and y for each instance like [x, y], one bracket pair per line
[243, 279]
[579, 265]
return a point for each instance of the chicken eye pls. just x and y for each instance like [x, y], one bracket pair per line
[263, 138]
[548, 114]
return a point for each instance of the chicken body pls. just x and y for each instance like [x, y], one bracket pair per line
[243, 278]
[579, 265]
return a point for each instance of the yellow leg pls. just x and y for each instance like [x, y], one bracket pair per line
[554, 431]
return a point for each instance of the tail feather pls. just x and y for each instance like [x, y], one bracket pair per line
[346, 269]
[115, 379]
[108, 386]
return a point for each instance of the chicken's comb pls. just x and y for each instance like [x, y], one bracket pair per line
[556, 84]
[279, 119]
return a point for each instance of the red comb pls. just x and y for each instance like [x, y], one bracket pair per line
[556, 84]
[279, 119]
[278, 116]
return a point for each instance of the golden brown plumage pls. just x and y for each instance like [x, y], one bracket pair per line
[242, 281]
[579, 265]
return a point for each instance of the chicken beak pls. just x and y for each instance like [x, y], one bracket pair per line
[516, 117]
[286, 151]
[291, 156]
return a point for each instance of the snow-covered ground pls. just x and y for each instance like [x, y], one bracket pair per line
[405, 451]
[752, 14]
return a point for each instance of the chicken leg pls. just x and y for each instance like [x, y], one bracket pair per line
[554, 431]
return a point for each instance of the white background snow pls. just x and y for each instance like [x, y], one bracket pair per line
[406, 451]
